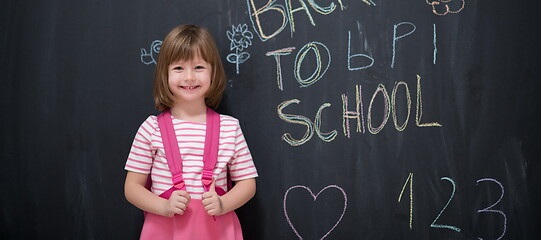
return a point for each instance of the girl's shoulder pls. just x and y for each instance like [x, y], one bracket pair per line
[228, 120]
[151, 124]
[152, 119]
[224, 117]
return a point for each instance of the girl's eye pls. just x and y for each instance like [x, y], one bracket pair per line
[200, 67]
[177, 68]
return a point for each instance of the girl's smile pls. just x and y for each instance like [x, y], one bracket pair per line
[189, 87]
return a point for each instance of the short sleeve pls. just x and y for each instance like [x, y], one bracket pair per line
[242, 165]
[141, 152]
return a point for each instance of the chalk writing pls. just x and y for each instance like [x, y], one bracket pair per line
[410, 180]
[434, 225]
[290, 10]
[393, 105]
[277, 54]
[419, 108]
[255, 13]
[490, 210]
[315, 198]
[148, 57]
[322, 59]
[299, 58]
[310, 129]
[357, 55]
[327, 137]
[241, 38]
[286, 13]
[435, 52]
[357, 114]
[317, 73]
[389, 106]
[381, 88]
[323, 10]
[443, 7]
[291, 118]
[396, 38]
[270, 18]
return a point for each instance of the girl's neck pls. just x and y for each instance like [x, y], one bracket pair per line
[190, 112]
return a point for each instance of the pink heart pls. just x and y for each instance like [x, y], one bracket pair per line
[315, 198]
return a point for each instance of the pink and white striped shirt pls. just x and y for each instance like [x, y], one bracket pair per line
[147, 154]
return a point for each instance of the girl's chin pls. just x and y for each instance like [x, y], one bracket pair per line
[190, 101]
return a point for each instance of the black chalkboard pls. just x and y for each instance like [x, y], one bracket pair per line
[366, 119]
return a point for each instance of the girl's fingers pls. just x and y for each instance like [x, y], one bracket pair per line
[208, 206]
[179, 212]
[181, 196]
[180, 206]
[185, 195]
[206, 195]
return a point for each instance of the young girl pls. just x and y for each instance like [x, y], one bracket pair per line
[189, 81]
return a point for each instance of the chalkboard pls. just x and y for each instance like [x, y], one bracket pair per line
[367, 119]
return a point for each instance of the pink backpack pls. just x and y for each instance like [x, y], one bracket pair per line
[174, 159]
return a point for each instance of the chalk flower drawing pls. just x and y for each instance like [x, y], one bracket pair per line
[442, 7]
[241, 38]
[148, 57]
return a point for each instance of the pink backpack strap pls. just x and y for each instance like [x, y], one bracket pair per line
[210, 156]
[172, 151]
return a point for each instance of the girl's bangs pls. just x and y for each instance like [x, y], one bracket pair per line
[192, 49]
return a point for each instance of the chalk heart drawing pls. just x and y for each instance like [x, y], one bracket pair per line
[315, 198]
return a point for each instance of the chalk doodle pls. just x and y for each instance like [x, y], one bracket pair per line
[442, 7]
[315, 198]
[149, 57]
[241, 38]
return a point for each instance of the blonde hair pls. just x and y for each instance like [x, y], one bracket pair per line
[185, 42]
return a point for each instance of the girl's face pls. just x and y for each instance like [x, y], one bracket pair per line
[190, 80]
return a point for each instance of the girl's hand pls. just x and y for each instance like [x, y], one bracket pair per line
[212, 202]
[177, 203]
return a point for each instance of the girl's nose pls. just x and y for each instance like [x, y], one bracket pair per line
[189, 75]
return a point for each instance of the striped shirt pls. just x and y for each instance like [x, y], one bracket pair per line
[147, 155]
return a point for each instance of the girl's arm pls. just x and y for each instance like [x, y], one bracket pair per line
[139, 196]
[240, 194]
